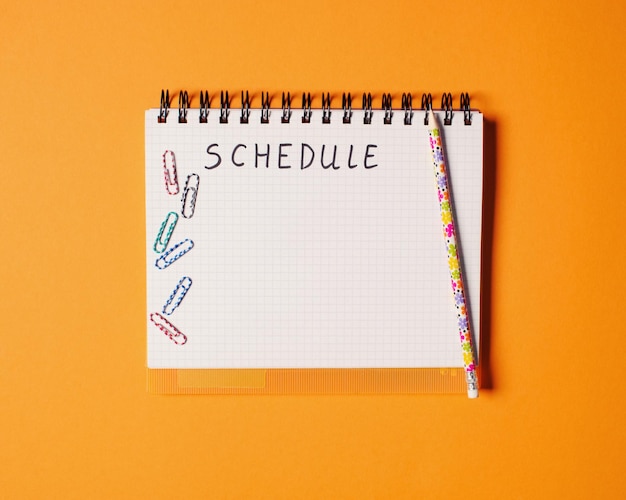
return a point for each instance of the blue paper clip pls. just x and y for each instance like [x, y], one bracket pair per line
[174, 253]
[169, 172]
[163, 238]
[177, 295]
[190, 195]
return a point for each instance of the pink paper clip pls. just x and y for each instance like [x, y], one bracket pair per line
[169, 172]
[175, 335]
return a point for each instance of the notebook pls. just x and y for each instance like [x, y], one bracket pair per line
[299, 249]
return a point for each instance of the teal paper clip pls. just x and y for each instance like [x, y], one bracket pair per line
[165, 232]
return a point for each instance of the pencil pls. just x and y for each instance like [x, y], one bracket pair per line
[454, 263]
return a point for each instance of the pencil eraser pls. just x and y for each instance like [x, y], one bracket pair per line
[472, 393]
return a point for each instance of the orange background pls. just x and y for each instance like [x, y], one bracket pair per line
[75, 418]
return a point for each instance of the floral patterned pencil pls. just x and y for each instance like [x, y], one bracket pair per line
[454, 263]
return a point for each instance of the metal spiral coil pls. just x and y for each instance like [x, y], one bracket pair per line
[427, 105]
[465, 107]
[386, 106]
[286, 105]
[367, 109]
[165, 106]
[183, 106]
[306, 108]
[407, 106]
[265, 107]
[446, 105]
[224, 106]
[245, 107]
[346, 104]
[204, 107]
[326, 108]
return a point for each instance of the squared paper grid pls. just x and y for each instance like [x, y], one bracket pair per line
[313, 268]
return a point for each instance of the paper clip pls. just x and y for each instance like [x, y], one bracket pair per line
[175, 335]
[190, 194]
[177, 295]
[174, 253]
[163, 238]
[169, 172]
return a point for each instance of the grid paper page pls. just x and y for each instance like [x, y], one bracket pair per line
[295, 265]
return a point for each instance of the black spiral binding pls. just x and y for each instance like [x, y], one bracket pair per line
[465, 107]
[204, 107]
[387, 109]
[306, 108]
[265, 107]
[183, 106]
[446, 105]
[367, 109]
[427, 105]
[245, 107]
[286, 115]
[165, 106]
[407, 107]
[224, 106]
[346, 104]
[326, 108]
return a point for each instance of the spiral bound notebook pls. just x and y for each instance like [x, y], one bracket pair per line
[300, 249]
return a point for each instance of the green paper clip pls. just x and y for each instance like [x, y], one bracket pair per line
[165, 232]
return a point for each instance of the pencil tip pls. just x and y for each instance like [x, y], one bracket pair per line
[432, 119]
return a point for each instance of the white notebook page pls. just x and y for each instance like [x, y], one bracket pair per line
[306, 266]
